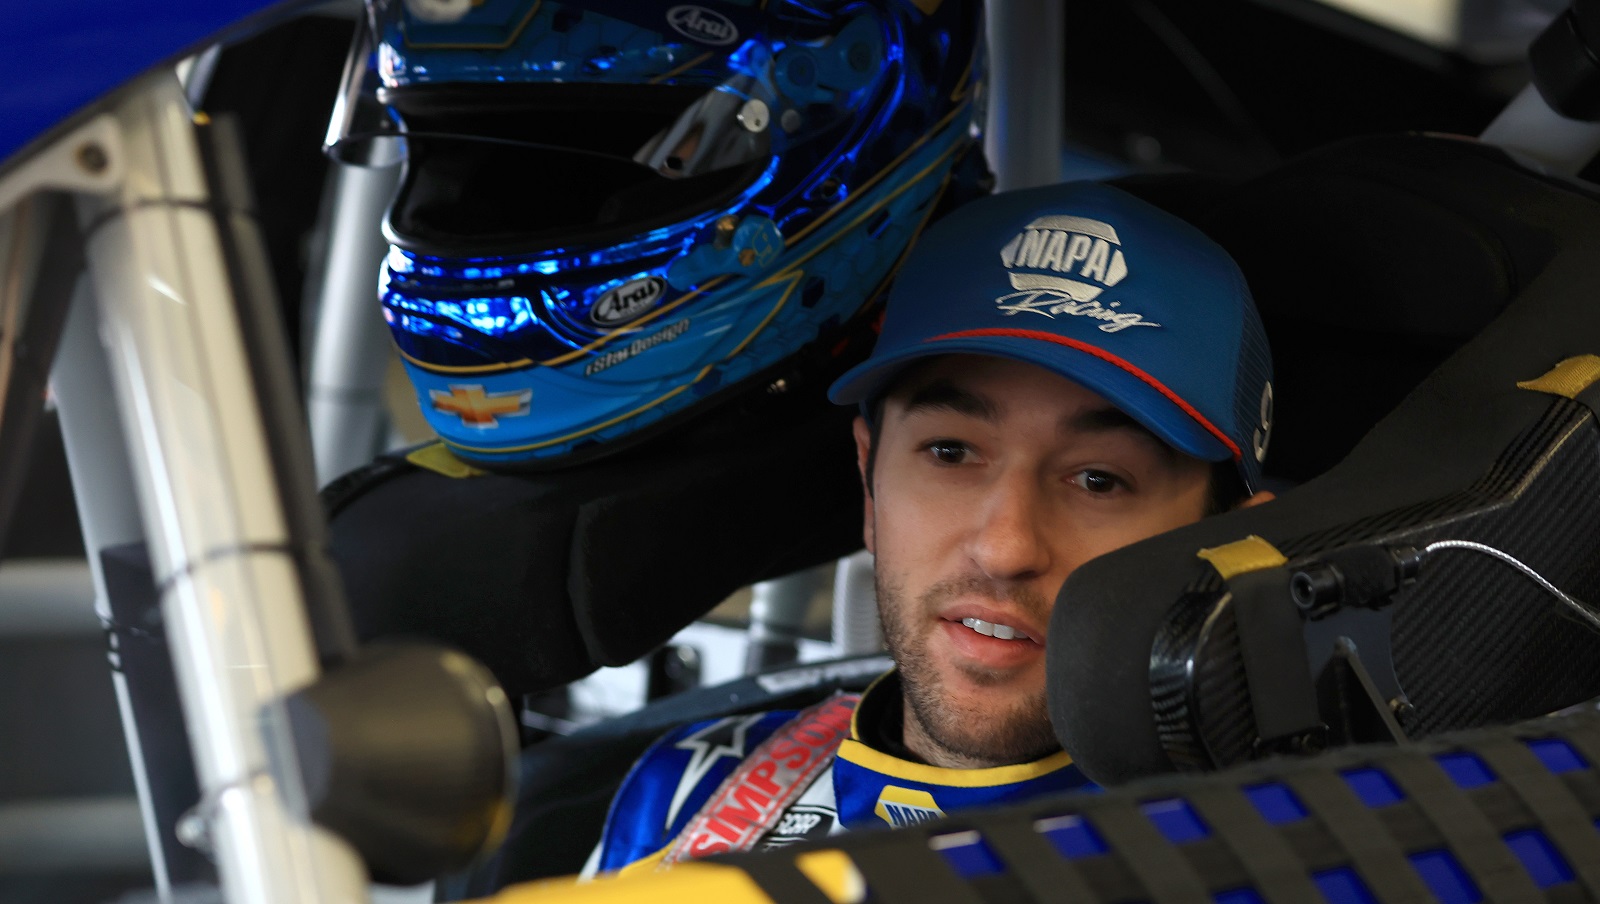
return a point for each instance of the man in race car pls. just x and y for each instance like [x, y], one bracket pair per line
[1061, 372]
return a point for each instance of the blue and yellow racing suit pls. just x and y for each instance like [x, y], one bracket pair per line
[750, 783]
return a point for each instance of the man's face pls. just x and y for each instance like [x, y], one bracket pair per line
[993, 480]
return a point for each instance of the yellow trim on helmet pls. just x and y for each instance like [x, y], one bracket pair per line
[882, 202]
[794, 281]
[634, 327]
[866, 186]
[682, 69]
[641, 409]
[964, 82]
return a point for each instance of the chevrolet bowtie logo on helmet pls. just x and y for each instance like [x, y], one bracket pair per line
[1088, 252]
[480, 409]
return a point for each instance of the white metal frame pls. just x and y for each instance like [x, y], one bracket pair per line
[350, 346]
[166, 442]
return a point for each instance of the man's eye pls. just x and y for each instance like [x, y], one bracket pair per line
[949, 451]
[1097, 482]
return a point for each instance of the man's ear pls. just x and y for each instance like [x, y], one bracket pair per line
[863, 434]
[1252, 501]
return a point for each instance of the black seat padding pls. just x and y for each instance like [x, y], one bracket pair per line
[1372, 260]
[545, 577]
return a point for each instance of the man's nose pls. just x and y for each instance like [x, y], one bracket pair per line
[1010, 540]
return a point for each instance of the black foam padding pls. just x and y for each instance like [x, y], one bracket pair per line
[546, 577]
[1354, 253]
[1371, 261]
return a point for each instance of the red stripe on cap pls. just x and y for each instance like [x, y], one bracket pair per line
[1103, 355]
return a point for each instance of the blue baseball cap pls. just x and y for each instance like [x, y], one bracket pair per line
[1093, 284]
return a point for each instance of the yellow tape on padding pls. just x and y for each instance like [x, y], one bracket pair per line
[1241, 556]
[686, 883]
[835, 874]
[436, 458]
[1567, 379]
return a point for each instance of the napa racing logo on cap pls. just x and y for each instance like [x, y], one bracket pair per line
[901, 807]
[703, 25]
[623, 303]
[1086, 254]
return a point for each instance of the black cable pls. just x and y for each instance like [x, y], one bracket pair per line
[1205, 75]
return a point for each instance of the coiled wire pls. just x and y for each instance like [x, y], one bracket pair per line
[1580, 609]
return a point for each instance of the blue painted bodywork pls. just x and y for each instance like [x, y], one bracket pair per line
[59, 56]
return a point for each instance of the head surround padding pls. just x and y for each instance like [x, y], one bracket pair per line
[546, 577]
[1371, 261]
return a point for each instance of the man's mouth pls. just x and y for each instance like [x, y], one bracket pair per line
[995, 630]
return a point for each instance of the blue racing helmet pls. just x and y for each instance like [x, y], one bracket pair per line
[614, 213]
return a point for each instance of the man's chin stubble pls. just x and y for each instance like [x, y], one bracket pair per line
[971, 738]
[974, 737]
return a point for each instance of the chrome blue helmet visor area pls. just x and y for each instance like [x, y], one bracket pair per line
[539, 167]
[615, 212]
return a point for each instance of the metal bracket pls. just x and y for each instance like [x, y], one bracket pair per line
[87, 160]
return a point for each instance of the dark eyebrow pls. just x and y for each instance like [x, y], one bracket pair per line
[1101, 420]
[944, 395]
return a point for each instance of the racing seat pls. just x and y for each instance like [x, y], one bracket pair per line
[1439, 575]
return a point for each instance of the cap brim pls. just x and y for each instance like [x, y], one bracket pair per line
[1130, 389]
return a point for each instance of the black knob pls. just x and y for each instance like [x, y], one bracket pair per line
[1315, 587]
[1565, 59]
